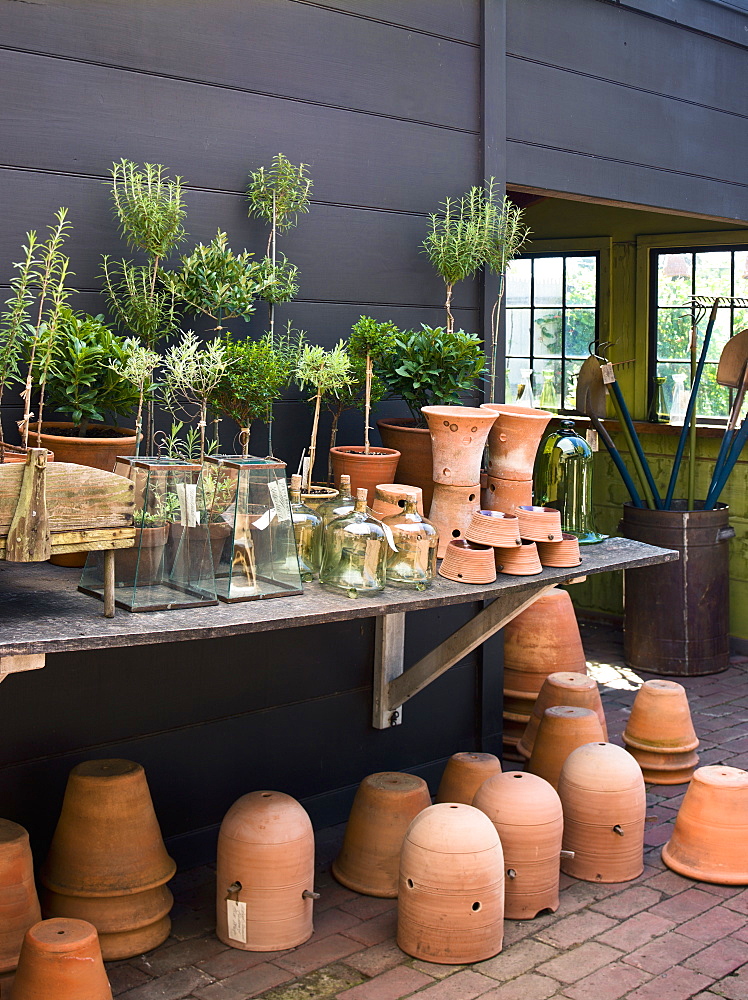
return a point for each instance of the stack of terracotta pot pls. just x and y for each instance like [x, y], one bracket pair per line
[107, 863]
[562, 729]
[660, 735]
[540, 641]
[512, 445]
[19, 906]
[563, 688]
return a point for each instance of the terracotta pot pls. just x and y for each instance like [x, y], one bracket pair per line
[661, 719]
[451, 900]
[108, 841]
[602, 792]
[665, 768]
[452, 510]
[493, 527]
[384, 807]
[528, 817]
[127, 925]
[266, 851]
[514, 440]
[562, 688]
[143, 562]
[467, 563]
[520, 560]
[19, 906]
[95, 452]
[458, 436]
[562, 729]
[389, 499]
[61, 960]
[187, 548]
[415, 467]
[366, 471]
[15, 454]
[562, 554]
[709, 838]
[541, 640]
[464, 774]
[539, 524]
[507, 495]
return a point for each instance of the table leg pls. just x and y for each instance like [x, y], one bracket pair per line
[109, 583]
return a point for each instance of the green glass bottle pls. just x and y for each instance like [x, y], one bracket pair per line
[563, 479]
[658, 411]
[355, 556]
[305, 525]
[413, 562]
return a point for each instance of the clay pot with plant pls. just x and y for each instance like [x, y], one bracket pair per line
[367, 465]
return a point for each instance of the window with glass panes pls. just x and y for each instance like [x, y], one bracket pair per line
[677, 274]
[551, 321]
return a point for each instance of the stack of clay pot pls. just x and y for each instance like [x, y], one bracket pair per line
[451, 892]
[389, 499]
[541, 640]
[107, 863]
[660, 735]
[602, 793]
[562, 730]
[512, 444]
[563, 688]
[265, 874]
[464, 775]
[709, 838]
[458, 435]
[61, 960]
[19, 906]
[528, 817]
[385, 806]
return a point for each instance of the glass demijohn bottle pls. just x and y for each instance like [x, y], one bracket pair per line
[413, 564]
[327, 511]
[355, 556]
[305, 525]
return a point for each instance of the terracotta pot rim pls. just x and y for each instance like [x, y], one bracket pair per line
[357, 451]
[403, 424]
[122, 435]
[653, 747]
[361, 887]
[530, 411]
[467, 411]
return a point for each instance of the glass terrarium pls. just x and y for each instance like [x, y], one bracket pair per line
[563, 479]
[171, 565]
[247, 501]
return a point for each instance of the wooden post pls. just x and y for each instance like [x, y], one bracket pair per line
[109, 583]
[28, 535]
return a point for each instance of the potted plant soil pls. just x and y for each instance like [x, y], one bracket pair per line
[367, 466]
[428, 367]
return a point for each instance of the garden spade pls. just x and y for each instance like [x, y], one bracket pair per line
[732, 371]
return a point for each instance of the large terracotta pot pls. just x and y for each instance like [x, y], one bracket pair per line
[660, 719]
[451, 898]
[464, 562]
[19, 906]
[384, 807]
[562, 688]
[95, 452]
[464, 774]
[562, 729]
[61, 960]
[366, 471]
[709, 838]
[519, 560]
[142, 563]
[602, 792]
[541, 640]
[458, 436]
[528, 817]
[265, 861]
[452, 509]
[415, 467]
[389, 499]
[108, 841]
[127, 925]
[507, 494]
[514, 439]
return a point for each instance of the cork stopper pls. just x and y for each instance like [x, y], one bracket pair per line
[361, 495]
[345, 482]
[296, 482]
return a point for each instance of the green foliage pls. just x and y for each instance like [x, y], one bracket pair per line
[215, 281]
[507, 234]
[432, 366]
[256, 374]
[149, 207]
[183, 447]
[323, 372]
[141, 305]
[280, 279]
[85, 374]
[371, 339]
[280, 193]
[192, 372]
[139, 366]
[352, 395]
[14, 320]
[457, 241]
[215, 493]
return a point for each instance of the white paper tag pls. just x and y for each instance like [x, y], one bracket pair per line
[609, 375]
[237, 920]
[305, 474]
[592, 440]
[279, 496]
[190, 495]
[262, 522]
[389, 536]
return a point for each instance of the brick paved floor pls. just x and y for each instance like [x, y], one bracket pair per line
[661, 937]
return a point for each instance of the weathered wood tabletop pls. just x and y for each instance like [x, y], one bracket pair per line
[41, 610]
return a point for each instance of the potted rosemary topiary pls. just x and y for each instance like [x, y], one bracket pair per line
[370, 343]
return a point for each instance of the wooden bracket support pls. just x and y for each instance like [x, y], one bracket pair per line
[17, 664]
[393, 685]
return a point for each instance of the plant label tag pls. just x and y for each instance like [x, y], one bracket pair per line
[389, 536]
[609, 375]
[279, 496]
[592, 440]
[237, 920]
[263, 522]
[305, 477]
[371, 558]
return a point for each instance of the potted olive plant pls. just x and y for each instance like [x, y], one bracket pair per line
[370, 342]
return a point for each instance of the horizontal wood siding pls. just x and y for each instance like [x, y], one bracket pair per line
[608, 102]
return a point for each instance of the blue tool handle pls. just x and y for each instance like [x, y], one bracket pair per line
[737, 446]
[727, 439]
[616, 389]
[617, 461]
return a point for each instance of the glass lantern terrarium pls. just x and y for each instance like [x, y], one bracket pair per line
[171, 565]
[563, 479]
[255, 548]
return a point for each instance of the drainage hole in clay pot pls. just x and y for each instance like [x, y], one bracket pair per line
[467, 440]
[492, 488]
[475, 907]
[499, 566]
[459, 576]
[401, 503]
[519, 776]
[410, 883]
[473, 430]
[456, 533]
[453, 807]
[471, 497]
[266, 795]
[446, 423]
[453, 427]
[447, 472]
[61, 932]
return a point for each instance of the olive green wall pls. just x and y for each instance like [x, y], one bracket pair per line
[562, 219]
